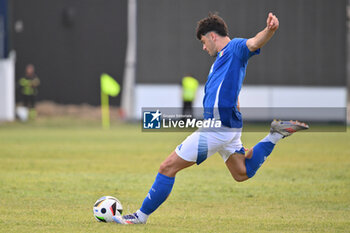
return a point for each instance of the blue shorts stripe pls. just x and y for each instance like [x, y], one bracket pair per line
[202, 149]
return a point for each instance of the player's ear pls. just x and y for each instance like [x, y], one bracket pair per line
[213, 36]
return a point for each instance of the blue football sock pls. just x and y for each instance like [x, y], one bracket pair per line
[159, 192]
[260, 153]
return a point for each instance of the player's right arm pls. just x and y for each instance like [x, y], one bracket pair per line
[265, 35]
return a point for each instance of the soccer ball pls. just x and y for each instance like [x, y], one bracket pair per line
[107, 207]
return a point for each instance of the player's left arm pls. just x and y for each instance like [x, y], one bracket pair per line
[265, 35]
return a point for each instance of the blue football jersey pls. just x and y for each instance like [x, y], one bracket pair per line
[225, 81]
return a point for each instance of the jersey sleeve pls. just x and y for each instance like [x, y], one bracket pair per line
[240, 49]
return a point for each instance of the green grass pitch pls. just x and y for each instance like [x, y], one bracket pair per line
[52, 172]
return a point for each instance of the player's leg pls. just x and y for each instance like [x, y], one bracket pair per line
[233, 154]
[26, 101]
[258, 154]
[162, 185]
[173, 164]
[241, 166]
[159, 191]
[195, 149]
[184, 156]
[31, 109]
[244, 167]
[236, 165]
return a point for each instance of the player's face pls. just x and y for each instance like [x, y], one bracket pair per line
[29, 70]
[209, 45]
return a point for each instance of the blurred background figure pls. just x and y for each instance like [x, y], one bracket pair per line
[29, 89]
[189, 90]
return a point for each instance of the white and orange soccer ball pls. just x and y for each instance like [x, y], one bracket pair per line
[107, 207]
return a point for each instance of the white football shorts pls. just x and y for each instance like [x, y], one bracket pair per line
[200, 145]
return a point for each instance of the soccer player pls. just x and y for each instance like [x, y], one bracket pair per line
[220, 102]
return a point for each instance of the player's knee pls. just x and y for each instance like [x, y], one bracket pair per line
[163, 167]
[166, 168]
[240, 177]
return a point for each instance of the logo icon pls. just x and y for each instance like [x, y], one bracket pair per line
[151, 120]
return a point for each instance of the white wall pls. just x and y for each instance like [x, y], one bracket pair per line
[7, 88]
[156, 96]
[257, 102]
[306, 103]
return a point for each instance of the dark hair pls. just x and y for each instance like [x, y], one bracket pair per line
[211, 23]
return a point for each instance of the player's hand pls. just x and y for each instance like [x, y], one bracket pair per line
[272, 22]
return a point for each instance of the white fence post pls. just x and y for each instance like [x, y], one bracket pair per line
[7, 88]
